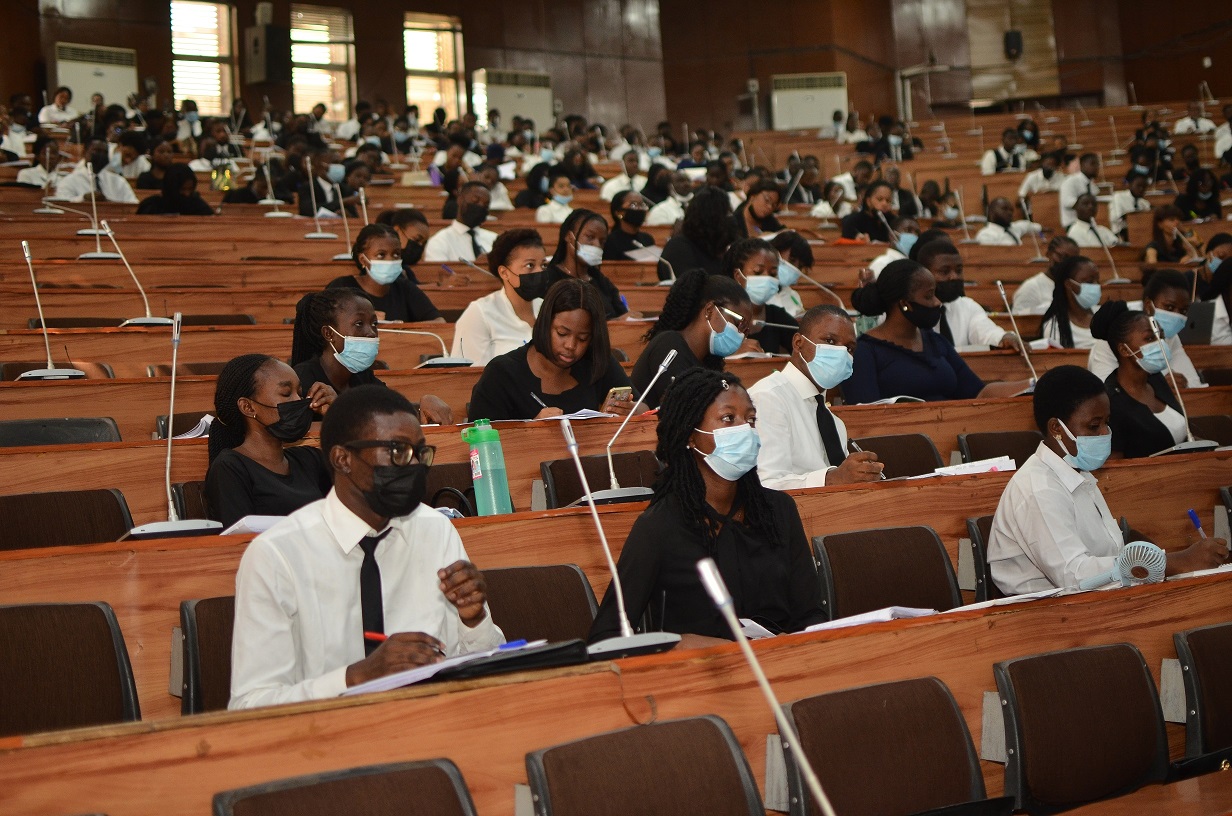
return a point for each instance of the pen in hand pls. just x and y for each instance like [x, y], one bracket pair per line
[857, 449]
[1193, 517]
[535, 397]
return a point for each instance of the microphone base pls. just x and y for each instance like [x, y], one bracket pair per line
[99, 256]
[445, 362]
[146, 321]
[616, 496]
[1119, 280]
[173, 529]
[1196, 446]
[279, 214]
[53, 374]
[1038, 259]
[271, 202]
[322, 236]
[643, 644]
[91, 232]
[47, 211]
[341, 256]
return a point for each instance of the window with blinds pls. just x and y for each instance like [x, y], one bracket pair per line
[435, 76]
[322, 59]
[203, 59]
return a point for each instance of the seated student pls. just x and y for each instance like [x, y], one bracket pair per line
[904, 356]
[369, 557]
[1218, 249]
[579, 254]
[628, 216]
[671, 209]
[704, 236]
[1166, 246]
[708, 502]
[852, 132]
[465, 239]
[557, 208]
[1201, 197]
[108, 185]
[1220, 290]
[489, 174]
[254, 192]
[411, 226]
[906, 234]
[378, 257]
[1044, 179]
[1195, 121]
[46, 159]
[1052, 528]
[334, 341]
[1131, 199]
[325, 174]
[964, 322]
[1085, 231]
[795, 256]
[1076, 293]
[834, 204]
[1034, 295]
[629, 179]
[178, 197]
[867, 224]
[59, 111]
[567, 366]
[498, 323]
[161, 158]
[704, 319]
[536, 193]
[754, 264]
[1007, 157]
[255, 466]
[1075, 184]
[902, 201]
[930, 199]
[658, 187]
[1165, 297]
[893, 146]
[756, 214]
[803, 443]
[131, 148]
[1002, 229]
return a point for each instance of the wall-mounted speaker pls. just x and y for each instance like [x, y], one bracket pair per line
[1013, 44]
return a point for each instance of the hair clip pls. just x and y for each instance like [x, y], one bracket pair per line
[725, 384]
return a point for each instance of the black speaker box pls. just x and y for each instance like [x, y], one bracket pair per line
[1013, 44]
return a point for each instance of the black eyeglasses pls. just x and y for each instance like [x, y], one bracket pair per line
[400, 453]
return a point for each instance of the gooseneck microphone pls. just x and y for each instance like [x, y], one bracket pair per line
[444, 361]
[148, 320]
[617, 493]
[270, 199]
[345, 255]
[1022, 343]
[316, 234]
[713, 582]
[628, 643]
[97, 254]
[1190, 445]
[1026, 209]
[51, 372]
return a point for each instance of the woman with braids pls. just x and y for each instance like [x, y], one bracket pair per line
[869, 223]
[377, 254]
[705, 233]
[1075, 294]
[258, 413]
[754, 264]
[335, 342]
[708, 502]
[704, 319]
[579, 253]
[904, 356]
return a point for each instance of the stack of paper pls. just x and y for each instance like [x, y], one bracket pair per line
[202, 428]
[422, 673]
[999, 464]
[876, 616]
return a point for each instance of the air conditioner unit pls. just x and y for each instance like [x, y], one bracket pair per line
[799, 101]
[513, 93]
[91, 69]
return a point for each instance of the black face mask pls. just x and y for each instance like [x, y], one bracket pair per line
[923, 317]
[396, 489]
[473, 215]
[535, 284]
[635, 217]
[948, 291]
[294, 420]
[1048, 172]
[412, 253]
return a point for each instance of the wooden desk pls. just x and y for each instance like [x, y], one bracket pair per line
[1211, 793]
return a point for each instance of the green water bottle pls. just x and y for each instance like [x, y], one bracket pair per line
[488, 469]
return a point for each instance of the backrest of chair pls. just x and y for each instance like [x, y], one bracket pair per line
[1080, 725]
[979, 529]
[668, 768]
[893, 566]
[432, 787]
[189, 498]
[182, 422]
[550, 603]
[563, 487]
[916, 721]
[446, 480]
[67, 431]
[1018, 445]
[1216, 427]
[1225, 494]
[1217, 376]
[93, 371]
[903, 454]
[64, 666]
[84, 322]
[206, 624]
[1206, 665]
[63, 518]
[218, 320]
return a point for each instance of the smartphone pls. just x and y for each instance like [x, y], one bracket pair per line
[623, 392]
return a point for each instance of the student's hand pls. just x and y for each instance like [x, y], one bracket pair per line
[1203, 554]
[750, 345]
[1181, 382]
[464, 587]
[619, 404]
[435, 410]
[322, 397]
[401, 651]
[863, 236]
[549, 412]
[1011, 341]
[857, 467]
[865, 276]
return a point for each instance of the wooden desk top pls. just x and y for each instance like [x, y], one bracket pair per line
[1211, 793]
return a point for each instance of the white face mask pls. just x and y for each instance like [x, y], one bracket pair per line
[590, 255]
[385, 272]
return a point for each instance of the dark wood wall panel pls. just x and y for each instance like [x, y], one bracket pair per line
[1164, 47]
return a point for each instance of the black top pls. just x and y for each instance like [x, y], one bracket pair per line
[1195, 207]
[613, 305]
[236, 486]
[504, 389]
[864, 222]
[529, 199]
[648, 364]
[683, 255]
[883, 369]
[773, 339]
[240, 195]
[157, 205]
[883, 150]
[771, 581]
[334, 205]
[1166, 253]
[404, 301]
[907, 203]
[1136, 431]
[767, 224]
[619, 242]
[147, 181]
[311, 371]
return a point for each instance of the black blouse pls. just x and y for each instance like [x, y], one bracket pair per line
[148, 181]
[767, 224]
[187, 205]
[619, 242]
[1136, 431]
[774, 340]
[682, 255]
[236, 486]
[1195, 207]
[772, 581]
[863, 222]
[613, 304]
[648, 364]
[404, 301]
[1166, 253]
[311, 371]
[505, 389]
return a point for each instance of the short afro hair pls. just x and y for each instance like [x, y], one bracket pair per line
[1058, 394]
[354, 407]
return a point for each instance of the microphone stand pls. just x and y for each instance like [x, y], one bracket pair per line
[270, 199]
[346, 225]
[97, 254]
[51, 372]
[444, 361]
[1116, 275]
[45, 209]
[1190, 445]
[363, 204]
[1197, 259]
[838, 300]
[1022, 341]
[628, 643]
[316, 217]
[962, 213]
[148, 320]
[1026, 209]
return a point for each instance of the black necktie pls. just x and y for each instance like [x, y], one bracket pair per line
[829, 433]
[370, 602]
[945, 327]
[475, 247]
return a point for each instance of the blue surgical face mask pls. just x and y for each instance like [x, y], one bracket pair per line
[1213, 263]
[373, 140]
[760, 287]
[563, 200]
[726, 342]
[655, 152]
[950, 213]
[906, 240]
[830, 365]
[358, 353]
[735, 451]
[1170, 323]
[385, 272]
[401, 136]
[1093, 451]
[788, 274]
[528, 135]
[192, 117]
[1154, 356]
[336, 174]
[1088, 295]
[894, 139]
[547, 153]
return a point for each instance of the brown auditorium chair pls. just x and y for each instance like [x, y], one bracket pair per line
[63, 518]
[76, 322]
[552, 603]
[182, 422]
[218, 320]
[563, 487]
[673, 767]
[865, 570]
[93, 371]
[1206, 665]
[432, 787]
[186, 370]
[1217, 376]
[450, 485]
[1081, 725]
[189, 499]
[903, 454]
[1217, 428]
[1018, 445]
[979, 529]
[917, 721]
[54, 431]
[64, 666]
[206, 624]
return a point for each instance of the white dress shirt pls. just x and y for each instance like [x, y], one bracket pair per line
[1013, 161]
[1081, 335]
[1221, 330]
[619, 184]
[1074, 185]
[14, 144]
[53, 115]
[1101, 361]
[1223, 140]
[76, 187]
[792, 454]
[883, 260]
[135, 168]
[1090, 234]
[1034, 296]
[787, 299]
[553, 213]
[349, 130]
[453, 243]
[998, 235]
[1187, 124]
[849, 185]
[852, 137]
[298, 622]
[665, 213]
[1034, 182]
[489, 327]
[1123, 202]
[1052, 528]
[499, 200]
[824, 210]
[36, 175]
[970, 325]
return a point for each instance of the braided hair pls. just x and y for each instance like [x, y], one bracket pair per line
[691, 291]
[1058, 310]
[740, 251]
[891, 286]
[683, 406]
[1114, 322]
[315, 311]
[238, 379]
[367, 234]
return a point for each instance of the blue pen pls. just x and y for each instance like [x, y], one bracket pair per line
[513, 644]
[1197, 524]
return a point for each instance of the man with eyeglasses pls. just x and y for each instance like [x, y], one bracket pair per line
[363, 583]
